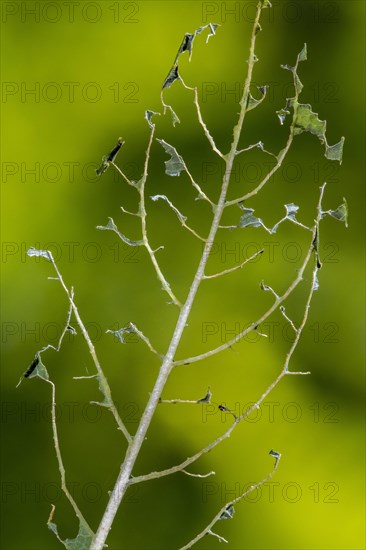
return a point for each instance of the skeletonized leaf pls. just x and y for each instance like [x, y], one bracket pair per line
[175, 164]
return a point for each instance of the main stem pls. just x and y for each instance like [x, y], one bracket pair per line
[133, 450]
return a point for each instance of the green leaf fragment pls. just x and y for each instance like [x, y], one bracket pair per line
[175, 164]
[253, 102]
[298, 84]
[340, 213]
[186, 46]
[335, 152]
[81, 542]
[37, 369]
[303, 55]
[248, 220]
[307, 121]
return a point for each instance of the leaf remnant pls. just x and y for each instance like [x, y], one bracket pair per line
[175, 164]
[36, 369]
[206, 398]
[107, 159]
[186, 46]
[39, 253]
[340, 213]
[32, 366]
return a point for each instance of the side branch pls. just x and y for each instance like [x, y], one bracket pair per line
[227, 511]
[226, 271]
[103, 383]
[279, 300]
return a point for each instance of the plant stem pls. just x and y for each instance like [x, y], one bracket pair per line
[133, 450]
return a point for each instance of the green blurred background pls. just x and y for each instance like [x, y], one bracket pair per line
[95, 67]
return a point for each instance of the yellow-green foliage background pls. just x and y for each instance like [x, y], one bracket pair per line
[318, 491]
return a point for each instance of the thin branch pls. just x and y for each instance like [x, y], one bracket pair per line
[141, 189]
[223, 512]
[124, 478]
[198, 475]
[59, 458]
[230, 270]
[179, 215]
[103, 383]
[281, 155]
[145, 339]
[205, 399]
[258, 145]
[285, 371]
[290, 321]
[201, 121]
[201, 194]
[130, 182]
[278, 301]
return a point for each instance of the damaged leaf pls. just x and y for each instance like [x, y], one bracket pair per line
[39, 253]
[107, 159]
[186, 46]
[207, 398]
[175, 164]
[82, 540]
[340, 213]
